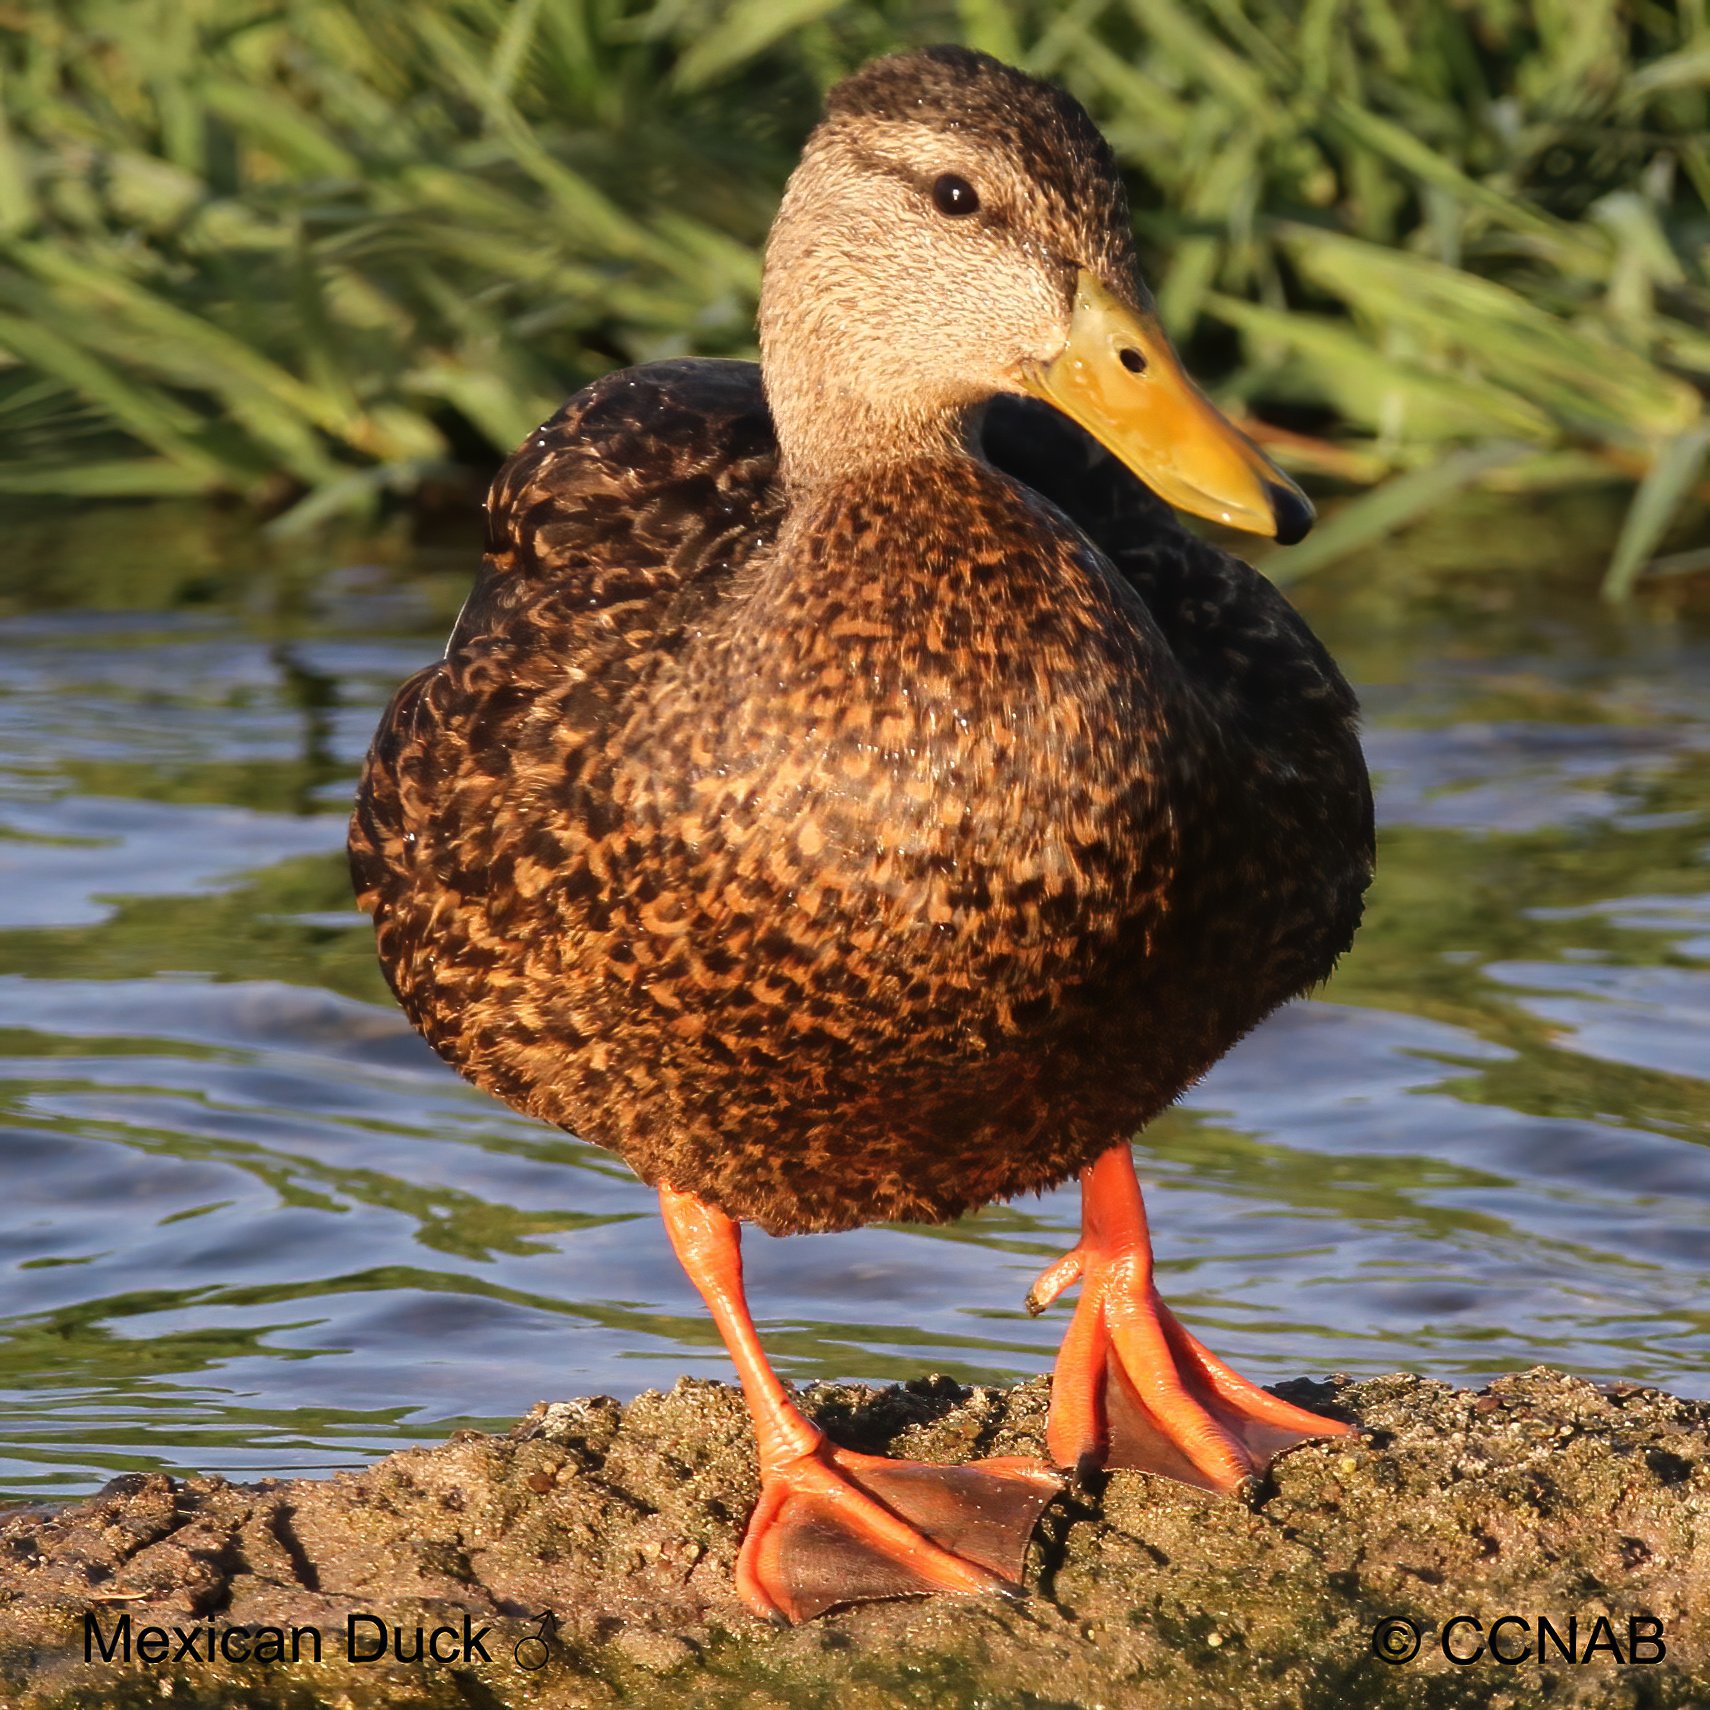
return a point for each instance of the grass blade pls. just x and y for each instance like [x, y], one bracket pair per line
[1655, 505]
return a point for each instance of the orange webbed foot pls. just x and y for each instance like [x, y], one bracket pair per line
[835, 1527]
[1131, 1387]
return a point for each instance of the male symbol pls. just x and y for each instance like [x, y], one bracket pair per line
[535, 1651]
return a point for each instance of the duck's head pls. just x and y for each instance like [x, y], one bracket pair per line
[956, 230]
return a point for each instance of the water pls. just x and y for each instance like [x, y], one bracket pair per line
[250, 1225]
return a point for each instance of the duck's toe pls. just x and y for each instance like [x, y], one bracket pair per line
[1133, 1389]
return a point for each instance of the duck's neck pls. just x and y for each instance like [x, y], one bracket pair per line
[830, 433]
[849, 393]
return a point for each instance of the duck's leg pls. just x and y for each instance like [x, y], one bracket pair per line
[1131, 1387]
[833, 1526]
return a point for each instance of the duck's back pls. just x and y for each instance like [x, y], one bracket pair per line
[536, 937]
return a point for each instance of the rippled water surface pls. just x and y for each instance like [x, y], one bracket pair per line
[249, 1224]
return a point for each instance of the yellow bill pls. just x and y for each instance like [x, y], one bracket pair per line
[1119, 378]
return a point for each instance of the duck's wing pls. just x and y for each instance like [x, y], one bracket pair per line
[1283, 712]
[616, 524]
[1250, 655]
[1240, 641]
[618, 517]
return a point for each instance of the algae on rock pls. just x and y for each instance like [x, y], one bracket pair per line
[1541, 1496]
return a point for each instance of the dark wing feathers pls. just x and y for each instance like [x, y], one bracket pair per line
[643, 489]
[607, 531]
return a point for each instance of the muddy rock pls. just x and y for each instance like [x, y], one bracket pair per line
[585, 1559]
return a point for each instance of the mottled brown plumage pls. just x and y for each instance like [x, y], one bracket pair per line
[875, 845]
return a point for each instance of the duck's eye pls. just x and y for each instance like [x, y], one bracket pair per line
[954, 195]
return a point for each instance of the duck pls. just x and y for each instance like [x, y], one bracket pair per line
[851, 792]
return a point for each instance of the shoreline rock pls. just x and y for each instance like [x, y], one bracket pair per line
[1541, 1496]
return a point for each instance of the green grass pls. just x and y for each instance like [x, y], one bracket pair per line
[317, 253]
